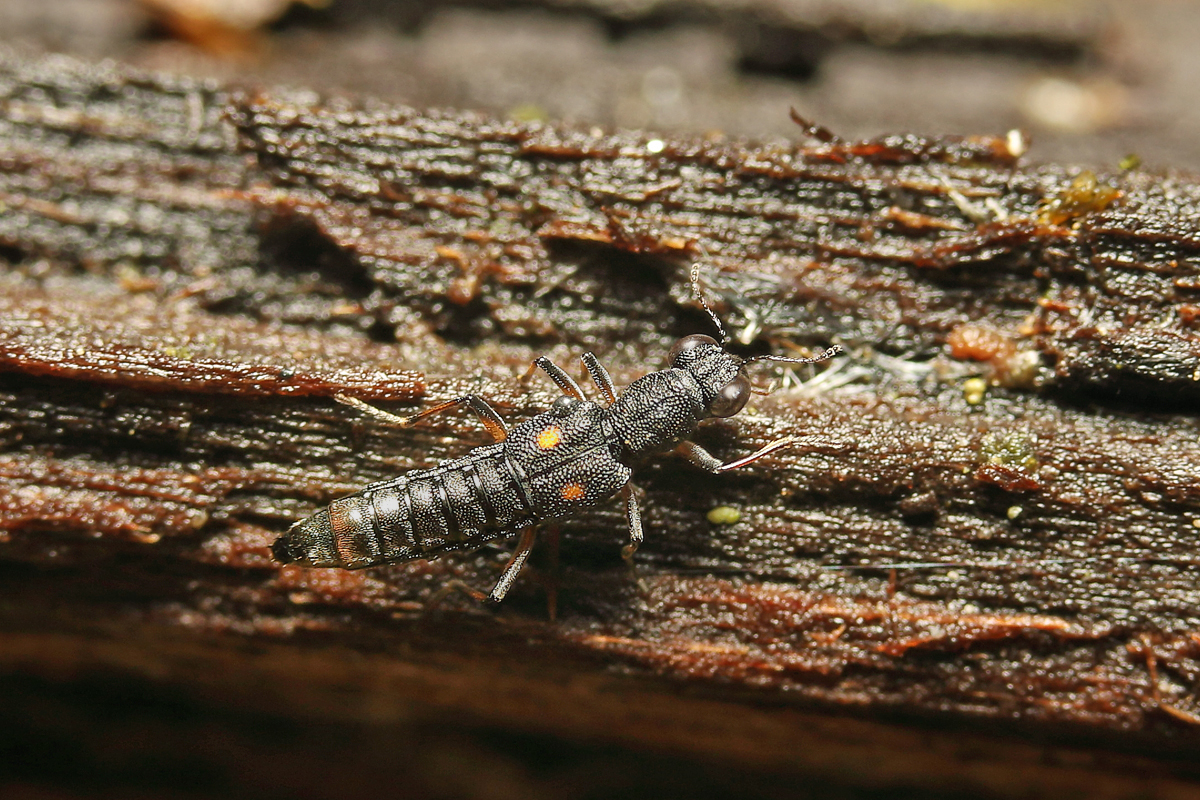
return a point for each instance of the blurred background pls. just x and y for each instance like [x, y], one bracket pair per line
[1092, 82]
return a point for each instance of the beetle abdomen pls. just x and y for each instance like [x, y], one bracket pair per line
[461, 503]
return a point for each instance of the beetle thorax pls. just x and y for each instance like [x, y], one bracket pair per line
[658, 411]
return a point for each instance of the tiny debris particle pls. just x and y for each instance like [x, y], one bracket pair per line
[724, 515]
[1016, 142]
[973, 390]
[1014, 512]
[1014, 450]
[979, 343]
[1085, 195]
[1020, 371]
[1196, 522]
[655, 146]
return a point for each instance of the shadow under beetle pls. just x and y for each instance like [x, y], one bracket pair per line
[569, 458]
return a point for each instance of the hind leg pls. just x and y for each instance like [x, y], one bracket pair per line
[509, 576]
[487, 415]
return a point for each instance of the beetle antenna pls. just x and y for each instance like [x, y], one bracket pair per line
[830, 353]
[696, 290]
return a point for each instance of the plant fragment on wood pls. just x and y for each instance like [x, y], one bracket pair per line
[1004, 552]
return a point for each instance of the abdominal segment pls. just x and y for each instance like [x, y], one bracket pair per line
[462, 503]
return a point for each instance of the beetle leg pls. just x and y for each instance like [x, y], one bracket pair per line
[507, 577]
[454, 585]
[629, 493]
[600, 377]
[564, 381]
[552, 584]
[710, 463]
[513, 567]
[487, 415]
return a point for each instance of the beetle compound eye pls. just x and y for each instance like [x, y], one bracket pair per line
[688, 343]
[732, 397]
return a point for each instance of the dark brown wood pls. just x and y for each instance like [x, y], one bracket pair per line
[993, 517]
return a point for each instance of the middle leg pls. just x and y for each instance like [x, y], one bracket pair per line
[634, 514]
[557, 374]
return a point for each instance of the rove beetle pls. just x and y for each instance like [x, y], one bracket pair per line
[569, 458]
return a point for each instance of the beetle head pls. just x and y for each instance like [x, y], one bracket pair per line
[721, 374]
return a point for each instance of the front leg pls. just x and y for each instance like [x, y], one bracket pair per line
[710, 463]
[600, 377]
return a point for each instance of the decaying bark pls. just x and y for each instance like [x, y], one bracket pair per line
[995, 511]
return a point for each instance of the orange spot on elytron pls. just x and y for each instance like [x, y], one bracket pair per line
[549, 438]
[572, 491]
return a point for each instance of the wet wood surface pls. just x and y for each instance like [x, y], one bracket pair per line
[992, 519]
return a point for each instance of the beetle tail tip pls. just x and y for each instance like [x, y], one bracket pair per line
[281, 552]
[286, 550]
